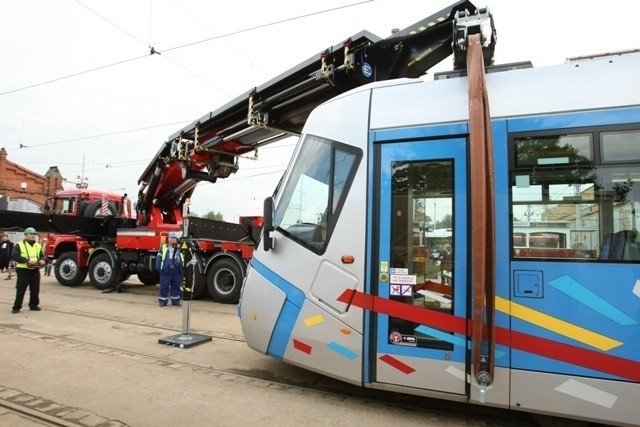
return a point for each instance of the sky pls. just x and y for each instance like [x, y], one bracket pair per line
[79, 89]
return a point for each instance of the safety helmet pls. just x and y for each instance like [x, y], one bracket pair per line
[30, 230]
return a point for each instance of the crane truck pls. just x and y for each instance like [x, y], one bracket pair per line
[68, 250]
[208, 149]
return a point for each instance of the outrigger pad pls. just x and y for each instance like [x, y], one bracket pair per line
[119, 289]
[185, 340]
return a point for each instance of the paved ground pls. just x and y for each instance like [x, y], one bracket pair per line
[93, 359]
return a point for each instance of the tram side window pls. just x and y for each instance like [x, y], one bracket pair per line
[576, 196]
[314, 193]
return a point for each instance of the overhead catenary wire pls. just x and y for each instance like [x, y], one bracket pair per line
[57, 79]
[175, 48]
[257, 27]
[156, 51]
[113, 23]
[104, 134]
[150, 20]
[152, 50]
[208, 27]
[119, 133]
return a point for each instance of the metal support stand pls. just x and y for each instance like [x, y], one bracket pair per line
[185, 339]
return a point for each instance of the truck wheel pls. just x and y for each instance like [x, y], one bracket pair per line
[224, 281]
[67, 271]
[149, 278]
[95, 209]
[102, 273]
[82, 206]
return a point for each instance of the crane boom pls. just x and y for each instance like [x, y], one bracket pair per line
[208, 148]
[110, 248]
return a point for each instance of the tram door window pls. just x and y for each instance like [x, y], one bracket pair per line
[423, 211]
[421, 242]
[576, 196]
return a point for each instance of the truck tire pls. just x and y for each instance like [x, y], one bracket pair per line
[82, 206]
[149, 278]
[94, 209]
[102, 273]
[224, 281]
[67, 271]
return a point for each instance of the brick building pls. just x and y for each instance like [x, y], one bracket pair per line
[24, 190]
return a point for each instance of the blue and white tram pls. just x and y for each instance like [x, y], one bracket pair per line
[334, 287]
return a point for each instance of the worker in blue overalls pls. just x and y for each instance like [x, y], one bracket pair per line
[170, 265]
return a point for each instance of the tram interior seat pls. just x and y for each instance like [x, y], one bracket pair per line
[623, 245]
[605, 246]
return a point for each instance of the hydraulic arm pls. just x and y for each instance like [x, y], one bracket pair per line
[208, 148]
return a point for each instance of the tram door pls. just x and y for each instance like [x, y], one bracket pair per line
[422, 254]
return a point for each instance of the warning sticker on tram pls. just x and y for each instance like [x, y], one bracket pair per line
[401, 290]
[403, 279]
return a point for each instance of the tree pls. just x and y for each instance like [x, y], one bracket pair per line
[446, 222]
[214, 215]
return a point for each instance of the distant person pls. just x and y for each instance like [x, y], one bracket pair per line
[124, 206]
[140, 216]
[170, 264]
[12, 270]
[6, 247]
[47, 267]
[29, 259]
[47, 262]
[446, 264]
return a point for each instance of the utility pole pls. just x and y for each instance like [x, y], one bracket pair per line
[82, 180]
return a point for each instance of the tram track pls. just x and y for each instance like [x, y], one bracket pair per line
[30, 416]
[148, 324]
[133, 314]
[337, 391]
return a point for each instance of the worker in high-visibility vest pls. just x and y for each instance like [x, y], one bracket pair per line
[170, 265]
[29, 259]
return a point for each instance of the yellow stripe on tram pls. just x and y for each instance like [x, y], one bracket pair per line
[558, 326]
